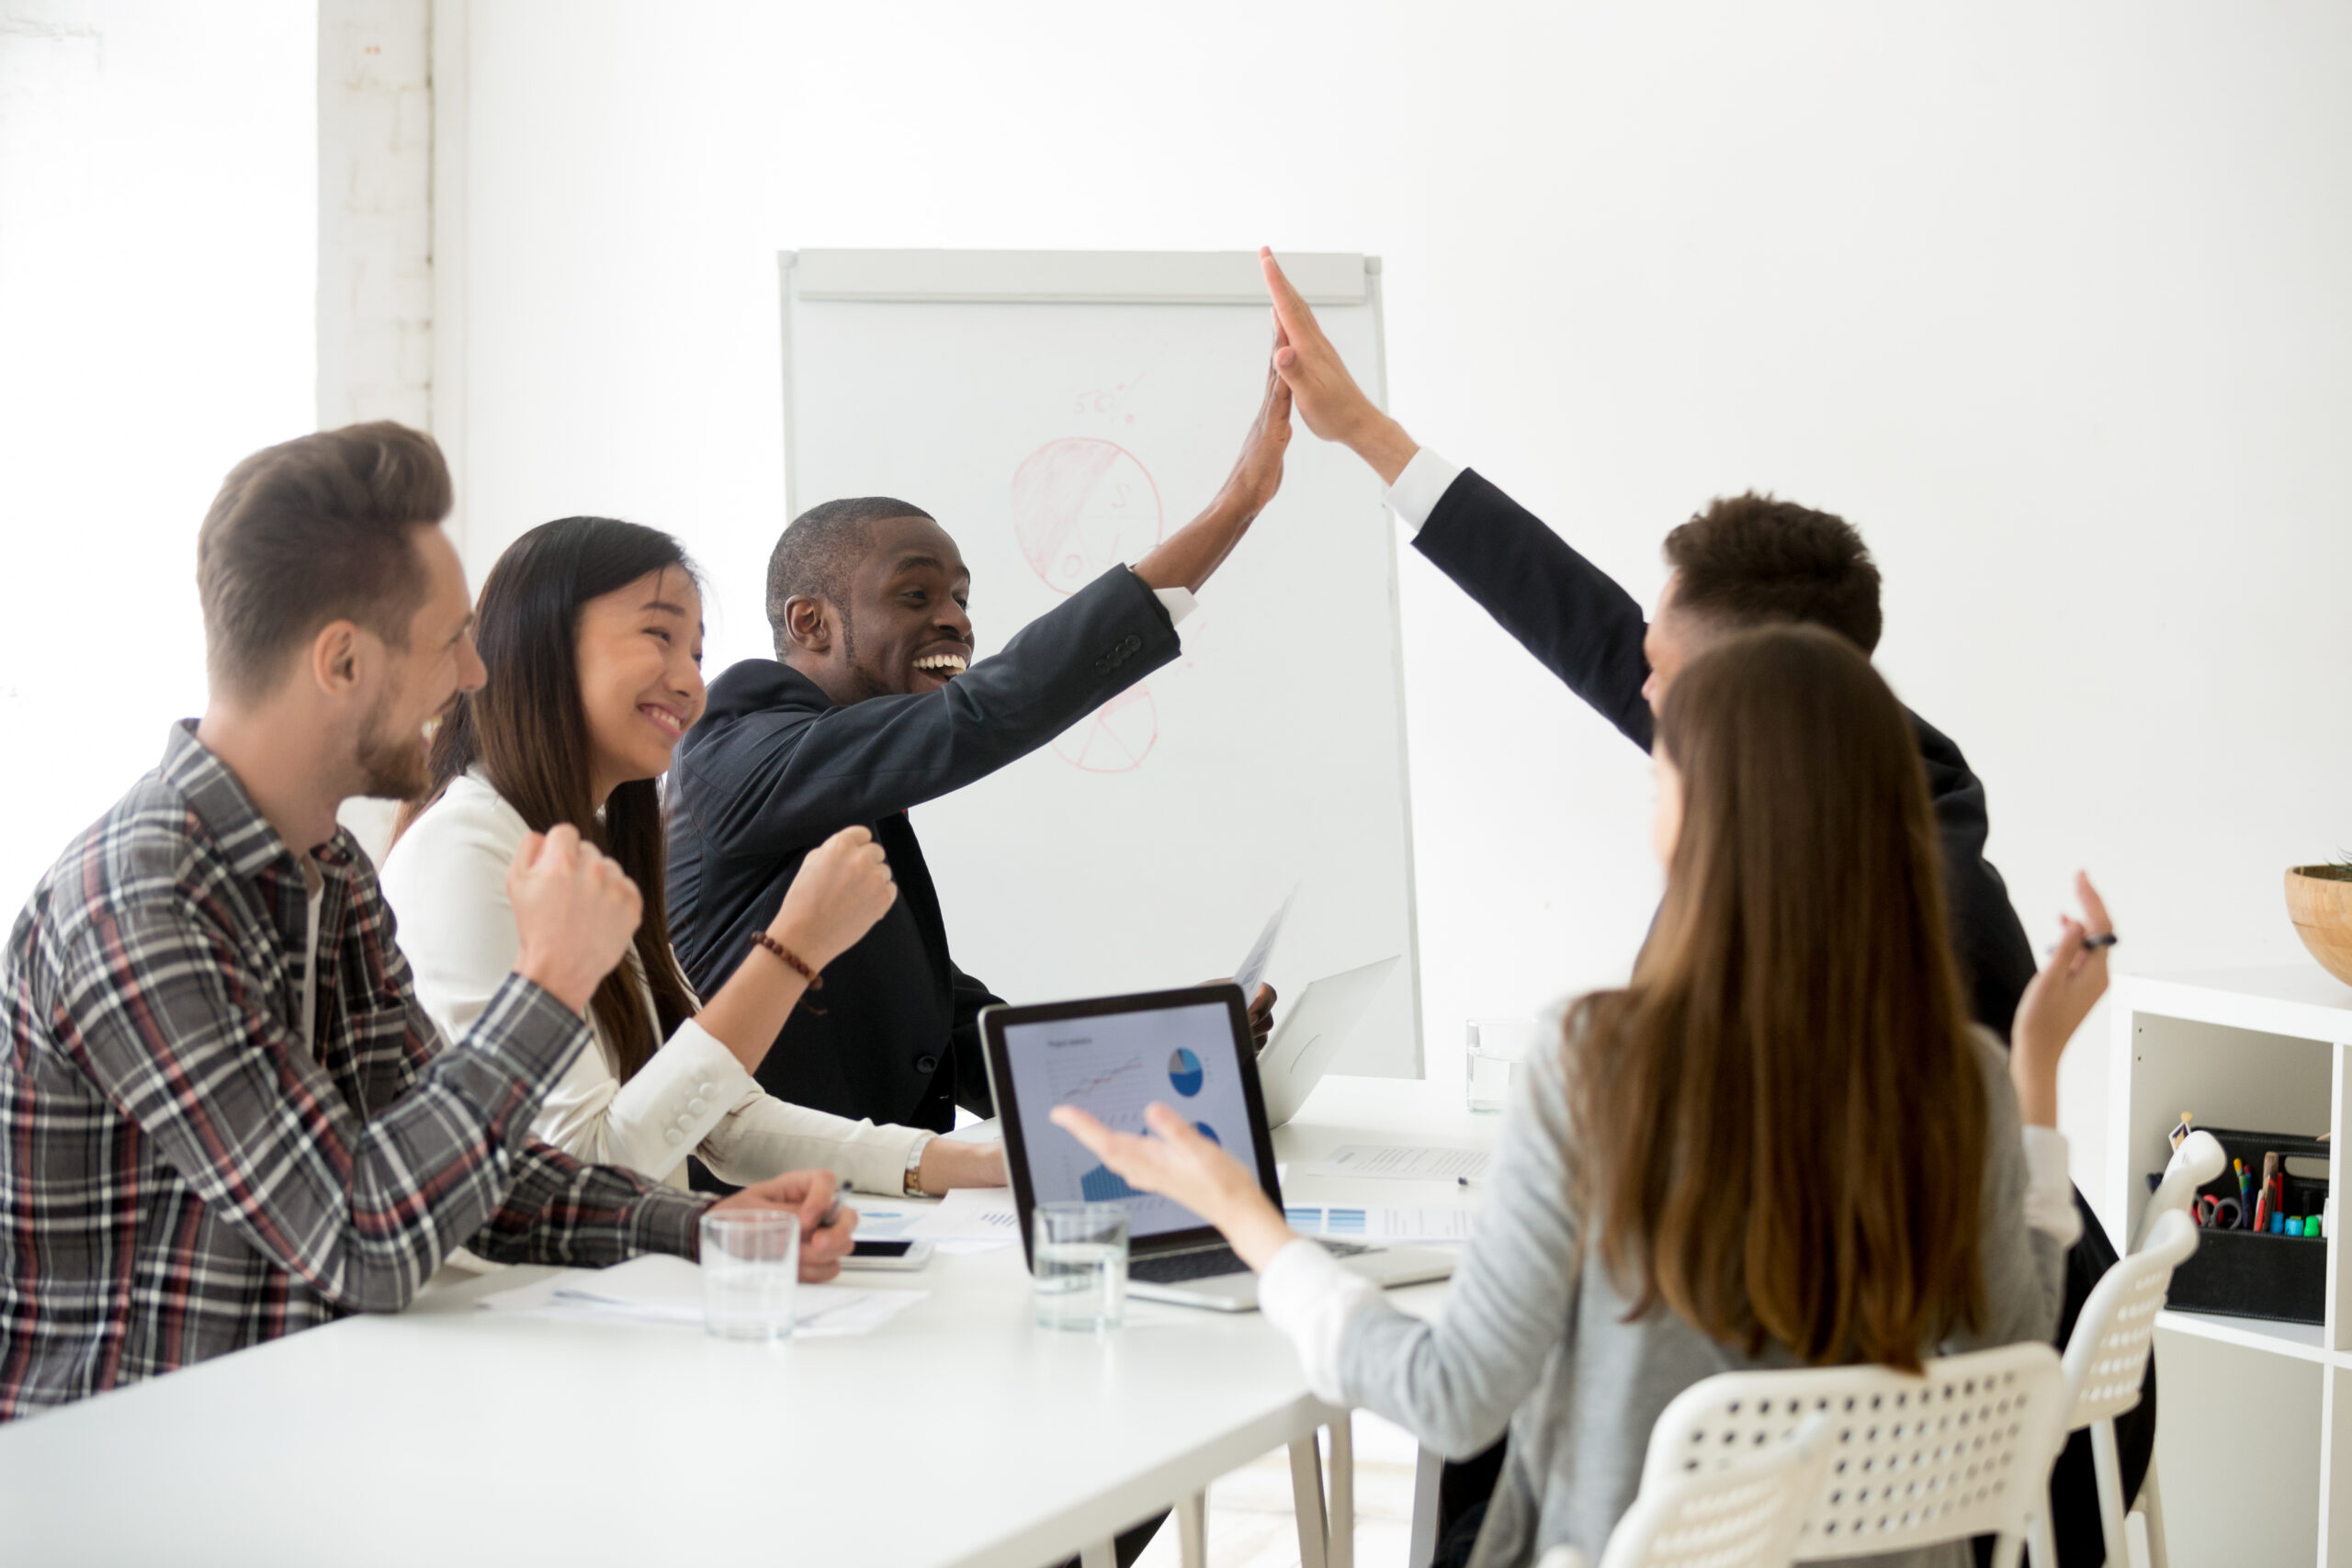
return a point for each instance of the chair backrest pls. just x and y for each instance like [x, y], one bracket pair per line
[2197, 1161]
[2107, 1355]
[1963, 1451]
[1747, 1515]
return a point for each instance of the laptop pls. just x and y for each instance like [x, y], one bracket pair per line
[1310, 1035]
[1114, 1055]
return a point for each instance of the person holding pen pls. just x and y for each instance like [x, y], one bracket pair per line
[1746, 561]
[1782, 1143]
[592, 630]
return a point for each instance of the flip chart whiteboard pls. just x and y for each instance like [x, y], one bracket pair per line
[1059, 414]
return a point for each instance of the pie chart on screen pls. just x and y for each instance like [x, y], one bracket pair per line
[1184, 1072]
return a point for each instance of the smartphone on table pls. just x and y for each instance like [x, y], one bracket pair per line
[888, 1255]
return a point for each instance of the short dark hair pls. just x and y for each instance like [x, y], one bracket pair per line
[816, 549]
[314, 530]
[1753, 560]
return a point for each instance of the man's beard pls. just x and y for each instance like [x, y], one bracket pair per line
[866, 684]
[392, 762]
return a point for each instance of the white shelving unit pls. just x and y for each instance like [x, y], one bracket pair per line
[2255, 1048]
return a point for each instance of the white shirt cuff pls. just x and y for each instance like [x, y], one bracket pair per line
[1305, 1294]
[1177, 602]
[2048, 1189]
[1421, 486]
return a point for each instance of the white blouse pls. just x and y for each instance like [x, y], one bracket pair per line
[446, 880]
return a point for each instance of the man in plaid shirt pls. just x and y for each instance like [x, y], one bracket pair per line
[223, 1115]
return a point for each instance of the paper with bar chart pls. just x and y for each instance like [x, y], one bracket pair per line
[1114, 1067]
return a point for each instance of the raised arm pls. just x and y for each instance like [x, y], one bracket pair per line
[1187, 558]
[1569, 614]
[777, 781]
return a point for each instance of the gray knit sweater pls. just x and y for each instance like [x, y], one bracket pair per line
[1535, 1339]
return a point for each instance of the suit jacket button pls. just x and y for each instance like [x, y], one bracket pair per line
[926, 1064]
[1131, 645]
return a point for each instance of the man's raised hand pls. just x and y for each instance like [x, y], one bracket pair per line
[1258, 472]
[1187, 558]
[1326, 396]
[575, 911]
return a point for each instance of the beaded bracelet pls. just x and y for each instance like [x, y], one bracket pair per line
[816, 981]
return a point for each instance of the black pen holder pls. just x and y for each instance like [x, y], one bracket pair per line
[2249, 1273]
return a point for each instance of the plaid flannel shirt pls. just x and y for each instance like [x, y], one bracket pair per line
[181, 1175]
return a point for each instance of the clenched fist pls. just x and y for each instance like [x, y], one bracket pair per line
[574, 909]
[844, 885]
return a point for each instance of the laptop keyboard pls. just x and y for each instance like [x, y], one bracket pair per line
[1177, 1267]
[1170, 1269]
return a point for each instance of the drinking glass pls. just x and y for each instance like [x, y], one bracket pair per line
[1080, 1274]
[750, 1261]
[1499, 1049]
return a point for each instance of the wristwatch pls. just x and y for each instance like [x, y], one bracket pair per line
[914, 1165]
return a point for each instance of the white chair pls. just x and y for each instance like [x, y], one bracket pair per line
[2197, 1161]
[1747, 1514]
[1964, 1450]
[2107, 1359]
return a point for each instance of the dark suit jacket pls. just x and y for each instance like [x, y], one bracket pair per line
[774, 769]
[1586, 630]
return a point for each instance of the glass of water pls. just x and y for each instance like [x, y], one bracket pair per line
[1080, 1268]
[751, 1262]
[1497, 1055]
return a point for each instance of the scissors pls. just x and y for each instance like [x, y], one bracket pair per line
[2218, 1211]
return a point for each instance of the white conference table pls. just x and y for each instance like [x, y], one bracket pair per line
[957, 1434]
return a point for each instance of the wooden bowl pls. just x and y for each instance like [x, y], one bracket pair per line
[2319, 901]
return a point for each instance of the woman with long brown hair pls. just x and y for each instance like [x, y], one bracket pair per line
[592, 630]
[1782, 1143]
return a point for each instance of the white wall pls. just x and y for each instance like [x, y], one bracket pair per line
[2048, 301]
[375, 254]
[157, 214]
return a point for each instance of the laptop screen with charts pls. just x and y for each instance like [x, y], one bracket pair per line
[1114, 1055]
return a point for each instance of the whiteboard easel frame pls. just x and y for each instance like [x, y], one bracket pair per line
[1122, 277]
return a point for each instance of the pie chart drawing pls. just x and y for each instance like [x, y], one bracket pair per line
[1080, 507]
[1113, 738]
[1184, 1073]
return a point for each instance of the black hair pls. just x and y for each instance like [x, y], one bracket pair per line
[528, 730]
[813, 557]
[1755, 560]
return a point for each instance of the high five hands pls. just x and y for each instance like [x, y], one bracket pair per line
[1329, 401]
[1187, 558]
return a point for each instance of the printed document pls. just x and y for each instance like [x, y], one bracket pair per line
[1401, 1163]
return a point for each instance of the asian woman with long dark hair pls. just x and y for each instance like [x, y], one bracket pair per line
[592, 633]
